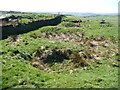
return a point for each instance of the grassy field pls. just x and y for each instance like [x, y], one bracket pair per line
[55, 50]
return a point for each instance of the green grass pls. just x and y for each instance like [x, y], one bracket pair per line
[18, 73]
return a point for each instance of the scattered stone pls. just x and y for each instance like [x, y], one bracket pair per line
[94, 43]
[39, 64]
[71, 71]
[115, 65]
[3, 62]
[42, 47]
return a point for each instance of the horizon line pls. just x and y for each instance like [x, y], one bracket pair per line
[58, 12]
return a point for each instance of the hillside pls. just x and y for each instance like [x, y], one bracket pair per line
[78, 52]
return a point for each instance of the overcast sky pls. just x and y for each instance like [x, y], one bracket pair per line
[93, 6]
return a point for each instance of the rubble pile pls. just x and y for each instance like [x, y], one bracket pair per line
[68, 37]
[94, 49]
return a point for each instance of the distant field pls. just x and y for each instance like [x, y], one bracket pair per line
[79, 52]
